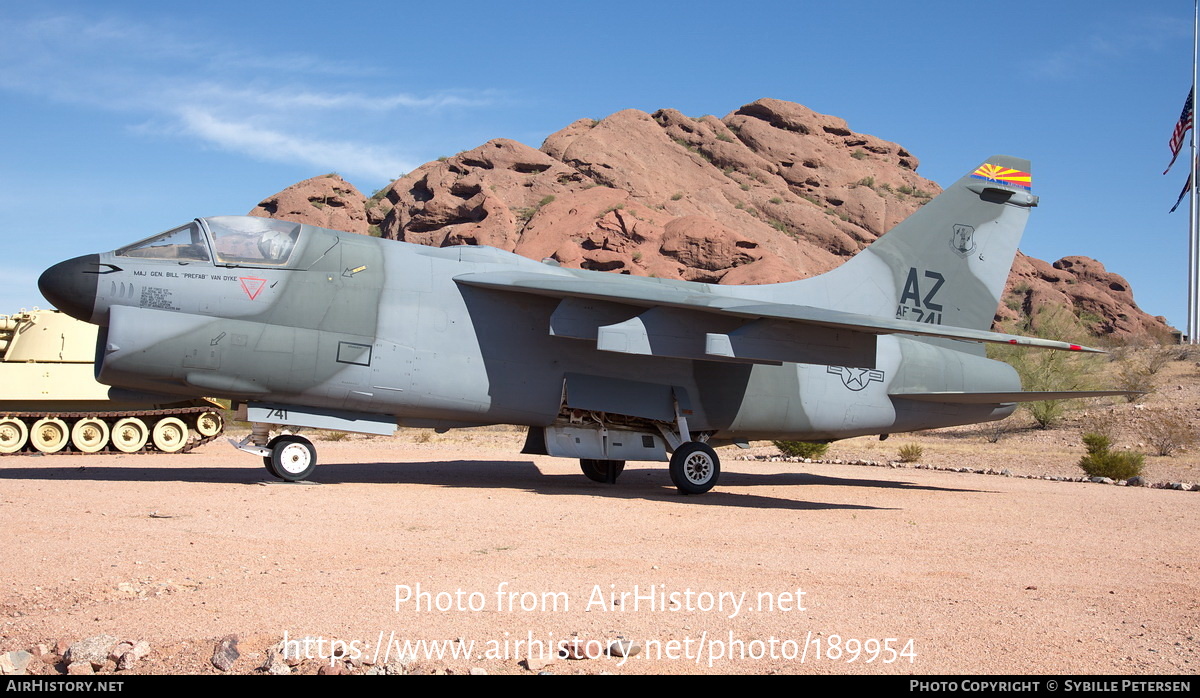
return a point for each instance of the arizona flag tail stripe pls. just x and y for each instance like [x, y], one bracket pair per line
[1004, 175]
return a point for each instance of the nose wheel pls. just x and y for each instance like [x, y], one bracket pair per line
[293, 458]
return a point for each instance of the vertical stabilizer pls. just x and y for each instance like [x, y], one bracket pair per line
[945, 264]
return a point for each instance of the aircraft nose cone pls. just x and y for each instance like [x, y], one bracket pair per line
[70, 286]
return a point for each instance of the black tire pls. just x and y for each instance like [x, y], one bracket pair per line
[293, 458]
[270, 466]
[695, 468]
[606, 471]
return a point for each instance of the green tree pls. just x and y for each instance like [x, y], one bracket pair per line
[1049, 369]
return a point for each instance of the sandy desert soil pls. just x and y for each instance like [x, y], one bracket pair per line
[791, 568]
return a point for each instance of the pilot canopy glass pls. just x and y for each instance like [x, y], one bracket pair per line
[242, 240]
[185, 243]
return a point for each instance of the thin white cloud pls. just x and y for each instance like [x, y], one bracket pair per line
[280, 99]
[264, 104]
[266, 144]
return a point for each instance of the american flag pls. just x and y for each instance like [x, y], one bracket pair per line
[1181, 128]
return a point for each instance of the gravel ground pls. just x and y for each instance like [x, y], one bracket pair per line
[792, 568]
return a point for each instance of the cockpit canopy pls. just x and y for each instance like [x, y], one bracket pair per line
[233, 240]
[183, 243]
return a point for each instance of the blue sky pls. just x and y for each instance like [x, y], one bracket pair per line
[121, 119]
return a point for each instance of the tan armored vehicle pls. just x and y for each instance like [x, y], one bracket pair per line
[50, 402]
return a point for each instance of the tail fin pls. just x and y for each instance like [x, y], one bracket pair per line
[945, 264]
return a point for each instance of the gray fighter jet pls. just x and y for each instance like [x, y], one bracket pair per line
[307, 327]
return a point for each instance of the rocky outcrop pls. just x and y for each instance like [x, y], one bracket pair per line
[1103, 301]
[772, 192]
[327, 201]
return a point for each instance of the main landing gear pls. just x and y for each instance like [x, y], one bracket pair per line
[605, 471]
[695, 467]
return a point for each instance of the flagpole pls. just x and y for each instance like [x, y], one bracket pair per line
[1193, 266]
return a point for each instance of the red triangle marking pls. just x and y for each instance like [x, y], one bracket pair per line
[252, 286]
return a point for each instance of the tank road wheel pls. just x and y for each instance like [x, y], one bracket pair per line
[49, 435]
[129, 435]
[293, 458]
[13, 434]
[601, 470]
[209, 424]
[695, 468]
[169, 435]
[89, 435]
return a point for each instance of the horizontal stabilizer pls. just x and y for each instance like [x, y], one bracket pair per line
[1011, 397]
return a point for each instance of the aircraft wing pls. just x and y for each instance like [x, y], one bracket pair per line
[687, 322]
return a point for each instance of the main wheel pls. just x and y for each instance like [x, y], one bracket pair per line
[13, 434]
[170, 435]
[129, 435]
[90, 435]
[49, 435]
[209, 424]
[601, 470]
[293, 458]
[695, 468]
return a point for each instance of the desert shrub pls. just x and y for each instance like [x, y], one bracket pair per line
[911, 453]
[1184, 352]
[1047, 413]
[1102, 461]
[1136, 376]
[1159, 356]
[1168, 433]
[334, 436]
[1047, 369]
[801, 449]
[994, 431]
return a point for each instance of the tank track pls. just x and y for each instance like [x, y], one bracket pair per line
[186, 413]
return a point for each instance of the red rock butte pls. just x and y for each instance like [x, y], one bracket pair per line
[772, 192]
